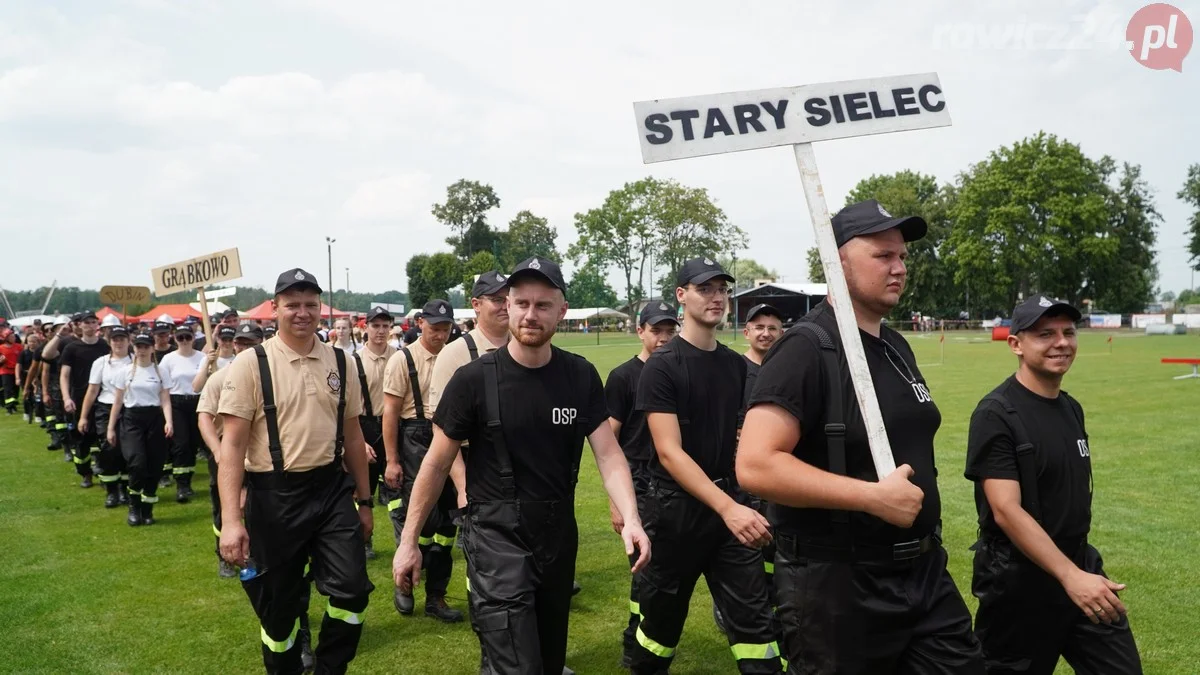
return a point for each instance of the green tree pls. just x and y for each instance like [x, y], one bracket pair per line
[442, 272]
[816, 271]
[1125, 282]
[465, 212]
[528, 235]
[687, 224]
[618, 232]
[419, 291]
[1188, 296]
[1191, 195]
[1167, 296]
[1032, 217]
[481, 262]
[589, 288]
[745, 270]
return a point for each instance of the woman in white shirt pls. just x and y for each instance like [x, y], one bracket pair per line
[181, 367]
[107, 372]
[143, 404]
[218, 358]
[342, 338]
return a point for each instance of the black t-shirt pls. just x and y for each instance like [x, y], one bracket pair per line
[792, 378]
[80, 356]
[542, 414]
[55, 364]
[620, 392]
[703, 387]
[158, 356]
[26, 360]
[1064, 465]
[751, 377]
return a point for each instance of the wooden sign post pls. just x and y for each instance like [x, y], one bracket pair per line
[670, 129]
[198, 273]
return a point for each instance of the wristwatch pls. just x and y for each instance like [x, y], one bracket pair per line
[368, 502]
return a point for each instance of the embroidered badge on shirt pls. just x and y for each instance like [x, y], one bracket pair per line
[334, 382]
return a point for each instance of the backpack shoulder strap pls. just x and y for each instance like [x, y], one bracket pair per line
[269, 412]
[835, 419]
[1026, 461]
[491, 398]
[368, 408]
[472, 348]
[414, 383]
[340, 439]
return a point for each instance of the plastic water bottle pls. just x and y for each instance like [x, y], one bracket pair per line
[249, 570]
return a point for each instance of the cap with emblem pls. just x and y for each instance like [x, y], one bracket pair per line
[230, 313]
[437, 311]
[544, 268]
[379, 313]
[269, 331]
[143, 339]
[700, 270]
[226, 333]
[185, 329]
[489, 283]
[119, 332]
[1035, 307]
[163, 326]
[296, 279]
[248, 331]
[869, 217]
[762, 309]
[88, 315]
[657, 312]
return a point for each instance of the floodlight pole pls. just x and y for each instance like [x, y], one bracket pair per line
[329, 250]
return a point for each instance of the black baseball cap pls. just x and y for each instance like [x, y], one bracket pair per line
[763, 308]
[226, 333]
[437, 311]
[269, 330]
[84, 316]
[162, 327]
[296, 278]
[1035, 307]
[185, 329]
[118, 332]
[700, 270]
[379, 313]
[411, 335]
[143, 339]
[248, 331]
[657, 312]
[545, 268]
[489, 283]
[869, 217]
[229, 312]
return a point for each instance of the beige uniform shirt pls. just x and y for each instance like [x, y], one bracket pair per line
[306, 396]
[396, 381]
[454, 356]
[210, 398]
[374, 367]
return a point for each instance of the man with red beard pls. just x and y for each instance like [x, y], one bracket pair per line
[1041, 586]
[526, 409]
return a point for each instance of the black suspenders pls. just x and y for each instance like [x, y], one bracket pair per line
[471, 346]
[835, 423]
[269, 411]
[414, 384]
[368, 409]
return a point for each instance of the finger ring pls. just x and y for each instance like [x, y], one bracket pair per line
[1097, 610]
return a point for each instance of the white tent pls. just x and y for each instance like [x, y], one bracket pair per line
[214, 307]
[22, 321]
[592, 313]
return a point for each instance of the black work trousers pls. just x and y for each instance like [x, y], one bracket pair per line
[291, 518]
[56, 416]
[372, 430]
[110, 461]
[81, 443]
[641, 491]
[690, 539]
[520, 568]
[856, 617]
[436, 540]
[8, 391]
[144, 446]
[185, 440]
[1026, 621]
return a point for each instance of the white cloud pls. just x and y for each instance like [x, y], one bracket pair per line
[395, 197]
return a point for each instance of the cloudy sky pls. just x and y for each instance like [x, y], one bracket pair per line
[137, 133]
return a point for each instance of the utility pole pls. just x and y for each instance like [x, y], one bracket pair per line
[329, 249]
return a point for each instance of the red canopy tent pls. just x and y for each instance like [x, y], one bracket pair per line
[107, 311]
[264, 312]
[177, 312]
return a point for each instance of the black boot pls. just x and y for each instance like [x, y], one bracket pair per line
[183, 488]
[438, 609]
[112, 499]
[147, 514]
[135, 511]
[122, 493]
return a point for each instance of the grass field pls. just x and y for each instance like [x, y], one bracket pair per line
[81, 592]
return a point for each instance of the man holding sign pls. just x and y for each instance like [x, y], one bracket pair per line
[860, 571]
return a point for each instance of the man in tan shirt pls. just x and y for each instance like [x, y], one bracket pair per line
[371, 360]
[288, 412]
[407, 432]
[489, 296]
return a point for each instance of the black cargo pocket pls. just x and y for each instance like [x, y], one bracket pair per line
[496, 639]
